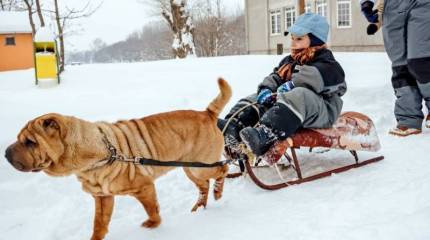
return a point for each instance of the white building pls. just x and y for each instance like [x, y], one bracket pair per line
[267, 20]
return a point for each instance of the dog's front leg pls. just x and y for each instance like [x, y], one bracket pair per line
[104, 208]
[148, 197]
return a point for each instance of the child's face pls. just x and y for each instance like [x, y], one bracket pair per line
[300, 42]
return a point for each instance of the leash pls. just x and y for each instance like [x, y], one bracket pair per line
[115, 156]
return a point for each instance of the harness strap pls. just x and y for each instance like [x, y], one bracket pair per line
[115, 156]
[152, 162]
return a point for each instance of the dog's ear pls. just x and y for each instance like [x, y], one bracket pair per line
[53, 123]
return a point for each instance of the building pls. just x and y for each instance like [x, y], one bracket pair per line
[267, 20]
[16, 41]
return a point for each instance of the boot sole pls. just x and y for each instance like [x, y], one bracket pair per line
[405, 134]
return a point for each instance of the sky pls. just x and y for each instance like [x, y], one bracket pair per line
[115, 20]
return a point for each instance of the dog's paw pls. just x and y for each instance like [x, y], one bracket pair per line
[197, 205]
[96, 238]
[218, 188]
[217, 195]
[151, 223]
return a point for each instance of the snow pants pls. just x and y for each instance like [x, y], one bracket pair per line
[406, 32]
[311, 109]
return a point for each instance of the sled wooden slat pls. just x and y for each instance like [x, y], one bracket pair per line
[352, 132]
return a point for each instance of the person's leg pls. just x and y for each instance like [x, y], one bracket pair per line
[408, 104]
[407, 108]
[298, 108]
[244, 113]
[418, 47]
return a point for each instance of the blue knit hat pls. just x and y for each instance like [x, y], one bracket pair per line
[311, 23]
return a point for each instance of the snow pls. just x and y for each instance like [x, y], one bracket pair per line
[386, 200]
[178, 2]
[14, 22]
[44, 34]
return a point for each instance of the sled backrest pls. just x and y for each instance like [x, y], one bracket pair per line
[352, 131]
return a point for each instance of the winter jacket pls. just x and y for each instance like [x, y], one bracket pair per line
[323, 75]
[319, 85]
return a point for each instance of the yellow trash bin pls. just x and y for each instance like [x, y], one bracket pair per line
[46, 58]
[46, 65]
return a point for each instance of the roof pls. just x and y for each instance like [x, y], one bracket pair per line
[14, 22]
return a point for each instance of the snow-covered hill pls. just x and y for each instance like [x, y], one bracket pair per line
[386, 200]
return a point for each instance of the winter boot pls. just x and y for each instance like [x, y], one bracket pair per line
[427, 122]
[258, 139]
[403, 131]
[279, 122]
[246, 114]
[242, 115]
[231, 132]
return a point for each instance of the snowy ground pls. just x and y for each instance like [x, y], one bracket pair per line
[386, 200]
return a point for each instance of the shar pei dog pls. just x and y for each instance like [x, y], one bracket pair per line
[63, 145]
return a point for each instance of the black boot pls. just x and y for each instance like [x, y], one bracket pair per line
[258, 139]
[241, 115]
[231, 133]
[279, 122]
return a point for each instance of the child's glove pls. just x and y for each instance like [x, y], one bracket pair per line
[286, 87]
[265, 97]
[370, 14]
[372, 28]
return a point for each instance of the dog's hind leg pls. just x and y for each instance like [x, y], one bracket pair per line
[104, 208]
[147, 196]
[219, 182]
[203, 186]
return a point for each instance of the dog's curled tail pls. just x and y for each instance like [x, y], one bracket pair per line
[216, 106]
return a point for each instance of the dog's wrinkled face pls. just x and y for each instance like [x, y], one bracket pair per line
[40, 146]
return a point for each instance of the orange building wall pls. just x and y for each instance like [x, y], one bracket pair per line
[18, 56]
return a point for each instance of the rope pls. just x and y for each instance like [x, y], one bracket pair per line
[239, 111]
[234, 115]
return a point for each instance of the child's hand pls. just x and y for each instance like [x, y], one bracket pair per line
[265, 97]
[286, 87]
[367, 10]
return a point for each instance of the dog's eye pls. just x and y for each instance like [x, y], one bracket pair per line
[29, 143]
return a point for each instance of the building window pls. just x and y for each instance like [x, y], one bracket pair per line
[321, 7]
[308, 8]
[344, 13]
[275, 22]
[10, 41]
[290, 17]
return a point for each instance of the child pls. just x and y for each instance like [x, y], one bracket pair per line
[308, 86]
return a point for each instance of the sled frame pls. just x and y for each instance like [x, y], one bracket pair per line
[293, 160]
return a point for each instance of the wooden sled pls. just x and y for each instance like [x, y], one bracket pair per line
[352, 132]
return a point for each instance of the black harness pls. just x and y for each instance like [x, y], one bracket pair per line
[114, 156]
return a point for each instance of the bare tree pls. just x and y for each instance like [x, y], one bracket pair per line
[7, 5]
[175, 13]
[63, 17]
[218, 32]
[39, 13]
[210, 27]
[29, 7]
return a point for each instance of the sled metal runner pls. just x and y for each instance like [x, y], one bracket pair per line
[296, 166]
[352, 132]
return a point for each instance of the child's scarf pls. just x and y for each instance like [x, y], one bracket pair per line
[301, 56]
